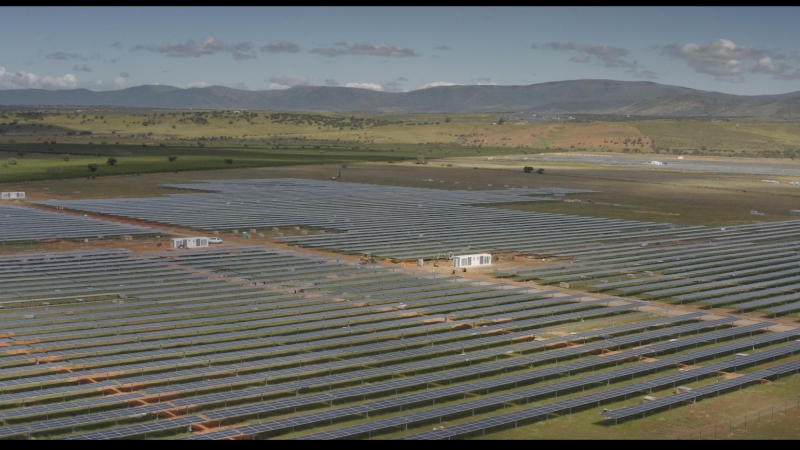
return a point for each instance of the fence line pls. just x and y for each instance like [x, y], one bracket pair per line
[724, 428]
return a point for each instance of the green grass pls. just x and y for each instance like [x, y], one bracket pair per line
[41, 164]
[141, 140]
[735, 137]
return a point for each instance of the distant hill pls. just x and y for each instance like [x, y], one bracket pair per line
[636, 98]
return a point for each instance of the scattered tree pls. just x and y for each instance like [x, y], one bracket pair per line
[111, 161]
[228, 161]
[447, 120]
[540, 171]
[92, 167]
[527, 169]
[65, 157]
[172, 158]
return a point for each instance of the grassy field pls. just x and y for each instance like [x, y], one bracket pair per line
[38, 163]
[33, 143]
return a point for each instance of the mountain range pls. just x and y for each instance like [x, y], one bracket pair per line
[634, 98]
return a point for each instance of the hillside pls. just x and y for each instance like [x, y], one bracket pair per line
[637, 98]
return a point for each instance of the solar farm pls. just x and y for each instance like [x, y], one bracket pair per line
[260, 340]
[746, 267]
[22, 224]
[249, 343]
[386, 221]
[749, 268]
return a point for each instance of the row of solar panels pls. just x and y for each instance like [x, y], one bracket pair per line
[19, 223]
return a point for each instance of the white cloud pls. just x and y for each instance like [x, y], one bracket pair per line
[781, 71]
[373, 86]
[29, 80]
[209, 46]
[365, 48]
[726, 61]
[280, 47]
[611, 57]
[439, 83]
[283, 81]
[197, 84]
[64, 56]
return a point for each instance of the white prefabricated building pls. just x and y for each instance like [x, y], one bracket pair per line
[478, 259]
[192, 242]
[11, 195]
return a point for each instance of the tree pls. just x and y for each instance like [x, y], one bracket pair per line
[92, 167]
[527, 169]
[172, 158]
[501, 121]
[111, 161]
[540, 171]
[228, 161]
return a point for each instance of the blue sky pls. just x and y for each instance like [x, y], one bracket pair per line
[747, 50]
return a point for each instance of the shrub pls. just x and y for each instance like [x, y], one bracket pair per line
[527, 169]
[92, 167]
[111, 161]
[172, 158]
[540, 171]
[228, 161]
[12, 162]
[65, 157]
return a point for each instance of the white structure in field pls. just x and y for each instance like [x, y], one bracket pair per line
[11, 195]
[192, 242]
[480, 259]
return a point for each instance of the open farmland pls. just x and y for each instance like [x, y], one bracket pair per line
[42, 145]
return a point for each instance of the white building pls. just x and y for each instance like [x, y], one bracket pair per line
[11, 195]
[192, 242]
[479, 259]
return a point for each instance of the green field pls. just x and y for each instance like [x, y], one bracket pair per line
[33, 144]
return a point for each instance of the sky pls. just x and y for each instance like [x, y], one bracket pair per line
[737, 50]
